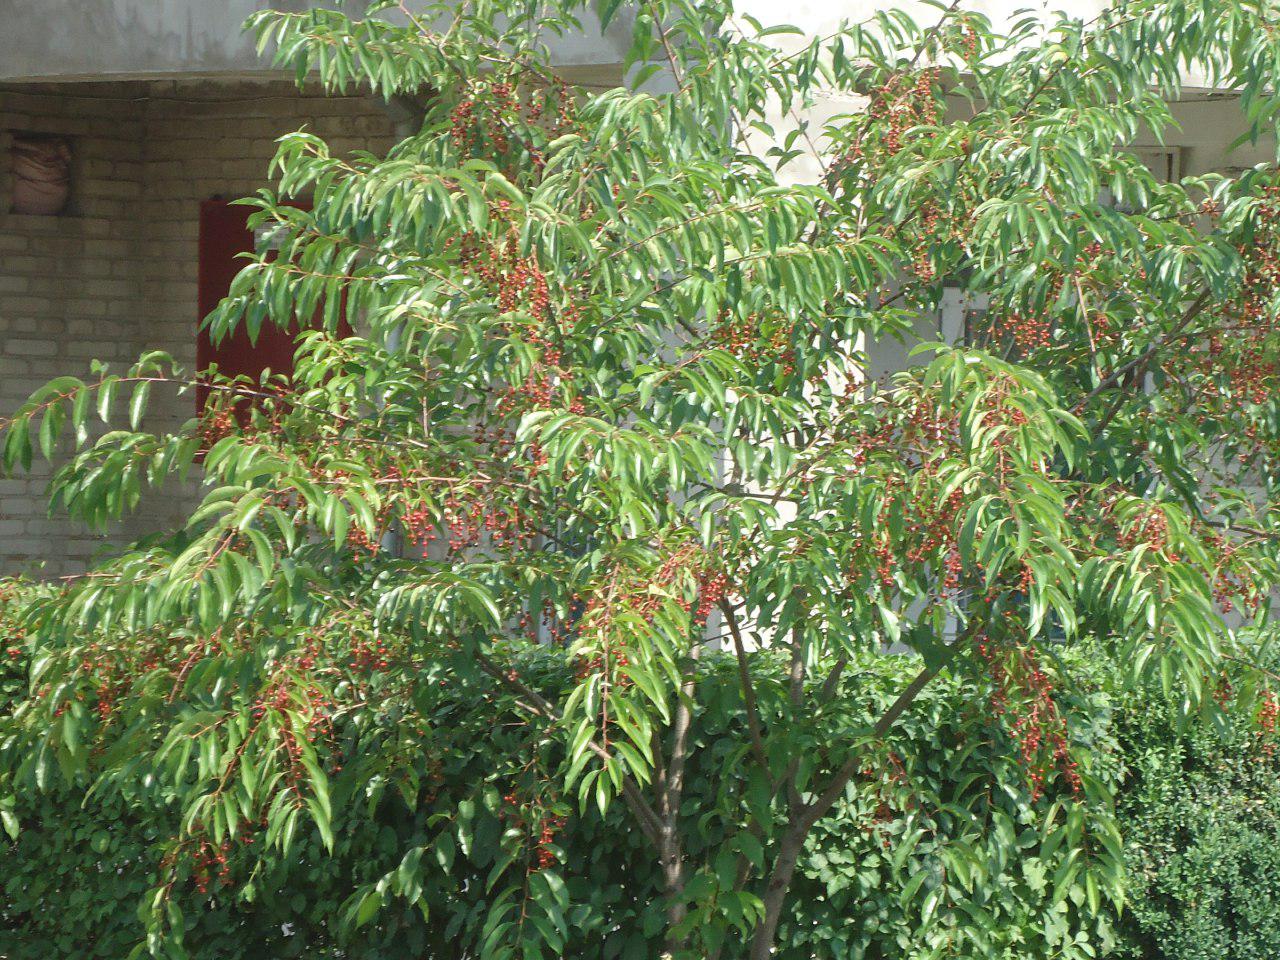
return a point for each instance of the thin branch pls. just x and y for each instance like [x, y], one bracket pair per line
[1253, 666]
[1140, 363]
[748, 687]
[536, 703]
[666, 46]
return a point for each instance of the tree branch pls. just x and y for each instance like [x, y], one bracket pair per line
[804, 818]
[796, 674]
[1140, 363]
[748, 687]
[833, 679]
[650, 824]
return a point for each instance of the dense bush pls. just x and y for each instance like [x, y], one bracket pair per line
[472, 791]
[1199, 807]
[1201, 814]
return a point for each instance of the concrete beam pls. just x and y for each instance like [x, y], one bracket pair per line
[139, 39]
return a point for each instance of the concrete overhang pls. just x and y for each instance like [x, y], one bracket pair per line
[73, 40]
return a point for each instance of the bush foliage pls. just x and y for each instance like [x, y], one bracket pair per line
[1201, 816]
[477, 793]
[1198, 808]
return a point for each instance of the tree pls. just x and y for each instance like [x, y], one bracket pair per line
[604, 398]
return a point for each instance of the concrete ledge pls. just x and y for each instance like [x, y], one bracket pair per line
[141, 39]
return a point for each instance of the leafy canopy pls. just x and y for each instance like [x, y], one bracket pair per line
[604, 394]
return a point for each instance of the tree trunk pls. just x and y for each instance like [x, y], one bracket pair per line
[670, 843]
[673, 876]
[775, 894]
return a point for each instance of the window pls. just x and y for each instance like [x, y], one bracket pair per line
[41, 174]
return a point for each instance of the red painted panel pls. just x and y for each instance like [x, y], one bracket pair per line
[224, 233]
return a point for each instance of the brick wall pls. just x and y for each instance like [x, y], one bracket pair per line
[116, 275]
[69, 285]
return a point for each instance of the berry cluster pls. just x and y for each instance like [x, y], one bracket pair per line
[921, 255]
[540, 825]
[1023, 691]
[1268, 715]
[544, 853]
[209, 863]
[483, 118]
[889, 782]
[279, 699]
[1232, 370]
[1027, 333]
[920, 525]
[1149, 528]
[494, 112]
[524, 283]
[686, 575]
[108, 671]
[217, 420]
[713, 585]
[1231, 580]
[519, 286]
[462, 127]
[369, 655]
[469, 517]
[1223, 691]
[904, 101]
[419, 523]
[361, 543]
[758, 342]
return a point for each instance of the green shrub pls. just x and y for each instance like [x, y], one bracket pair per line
[1201, 813]
[83, 861]
[1200, 809]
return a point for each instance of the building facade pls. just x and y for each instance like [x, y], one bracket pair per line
[160, 109]
[156, 112]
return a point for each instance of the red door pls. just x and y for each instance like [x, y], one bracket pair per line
[224, 234]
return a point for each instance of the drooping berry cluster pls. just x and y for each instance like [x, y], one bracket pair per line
[1027, 333]
[287, 695]
[905, 100]
[419, 524]
[209, 863]
[757, 341]
[713, 586]
[537, 821]
[369, 654]
[686, 577]
[524, 284]
[1149, 528]
[472, 516]
[496, 113]
[1229, 372]
[12, 633]
[1232, 581]
[1022, 692]
[1268, 716]
[919, 524]
[524, 300]
[217, 421]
